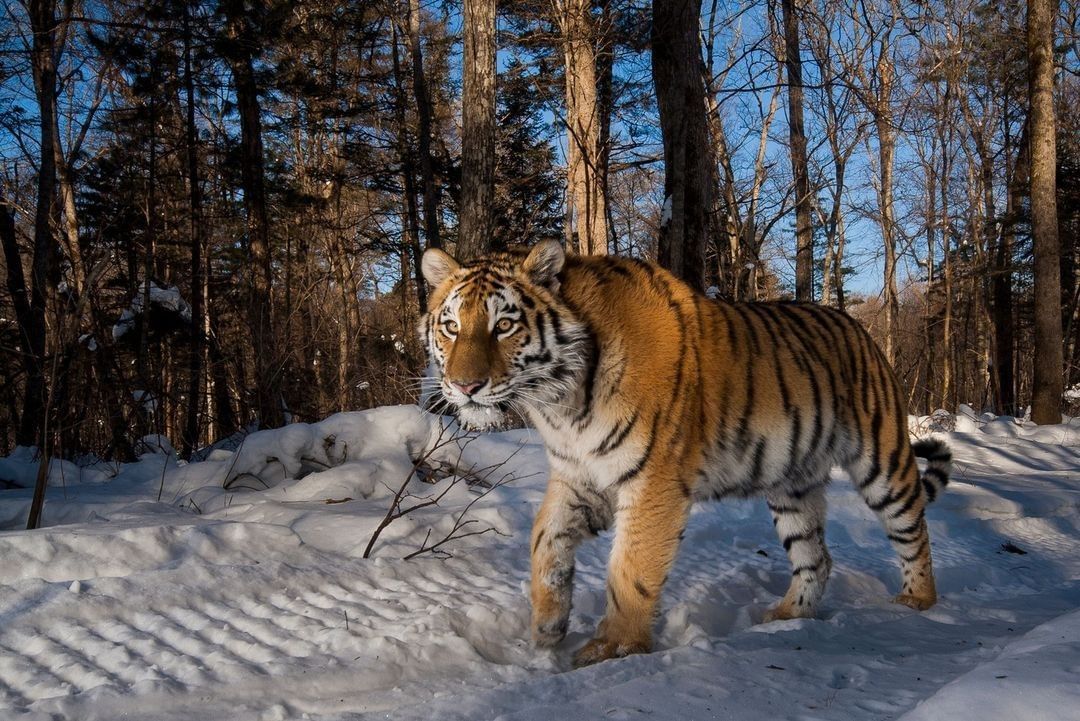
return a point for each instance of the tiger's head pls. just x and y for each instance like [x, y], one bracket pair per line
[498, 334]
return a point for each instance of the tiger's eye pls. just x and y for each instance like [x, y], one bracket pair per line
[504, 325]
[451, 326]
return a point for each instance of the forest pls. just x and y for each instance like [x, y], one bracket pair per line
[212, 213]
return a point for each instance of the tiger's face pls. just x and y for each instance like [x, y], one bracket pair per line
[498, 335]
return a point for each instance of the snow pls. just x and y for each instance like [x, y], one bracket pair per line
[236, 588]
[168, 298]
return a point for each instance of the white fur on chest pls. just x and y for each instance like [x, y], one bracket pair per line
[573, 449]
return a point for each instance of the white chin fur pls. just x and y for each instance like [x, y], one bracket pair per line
[474, 417]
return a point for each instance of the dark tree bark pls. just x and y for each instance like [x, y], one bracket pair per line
[20, 298]
[424, 113]
[1002, 283]
[43, 24]
[1048, 380]
[476, 213]
[680, 94]
[240, 57]
[804, 234]
[410, 242]
[198, 276]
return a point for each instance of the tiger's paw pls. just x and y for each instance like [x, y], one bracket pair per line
[919, 603]
[546, 634]
[601, 649]
[787, 611]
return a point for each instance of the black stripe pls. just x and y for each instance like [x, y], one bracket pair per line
[556, 325]
[801, 569]
[541, 331]
[912, 496]
[875, 462]
[539, 536]
[932, 450]
[637, 467]
[905, 538]
[888, 500]
[561, 456]
[616, 436]
[936, 473]
[801, 493]
[759, 458]
[918, 552]
[905, 472]
[804, 536]
[894, 463]
[911, 527]
[592, 364]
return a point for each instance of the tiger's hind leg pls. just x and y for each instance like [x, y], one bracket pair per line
[896, 495]
[799, 517]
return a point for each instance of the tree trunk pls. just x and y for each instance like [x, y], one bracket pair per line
[267, 375]
[886, 137]
[605, 103]
[43, 65]
[586, 192]
[1048, 380]
[680, 94]
[1002, 291]
[411, 223]
[476, 221]
[804, 233]
[424, 113]
[20, 299]
[948, 371]
[198, 276]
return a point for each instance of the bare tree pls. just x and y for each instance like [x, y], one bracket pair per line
[476, 218]
[240, 55]
[1048, 381]
[198, 274]
[680, 94]
[423, 113]
[586, 161]
[47, 32]
[804, 201]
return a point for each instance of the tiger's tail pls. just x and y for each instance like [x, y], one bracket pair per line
[939, 465]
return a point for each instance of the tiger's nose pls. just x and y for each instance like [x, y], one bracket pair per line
[468, 387]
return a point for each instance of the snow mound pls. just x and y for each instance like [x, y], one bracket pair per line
[1034, 678]
[168, 299]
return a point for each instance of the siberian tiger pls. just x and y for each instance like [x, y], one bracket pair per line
[649, 396]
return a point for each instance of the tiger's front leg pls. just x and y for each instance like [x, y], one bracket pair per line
[648, 525]
[567, 516]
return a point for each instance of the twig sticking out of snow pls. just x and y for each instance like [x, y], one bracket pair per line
[473, 476]
[395, 511]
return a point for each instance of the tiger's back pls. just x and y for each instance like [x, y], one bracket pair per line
[673, 398]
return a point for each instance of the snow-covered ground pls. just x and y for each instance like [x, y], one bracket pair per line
[236, 588]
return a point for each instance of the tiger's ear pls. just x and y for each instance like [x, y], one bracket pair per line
[437, 266]
[544, 262]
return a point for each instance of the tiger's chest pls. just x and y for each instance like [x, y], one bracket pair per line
[599, 450]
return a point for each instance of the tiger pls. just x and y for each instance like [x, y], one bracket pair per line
[649, 396]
